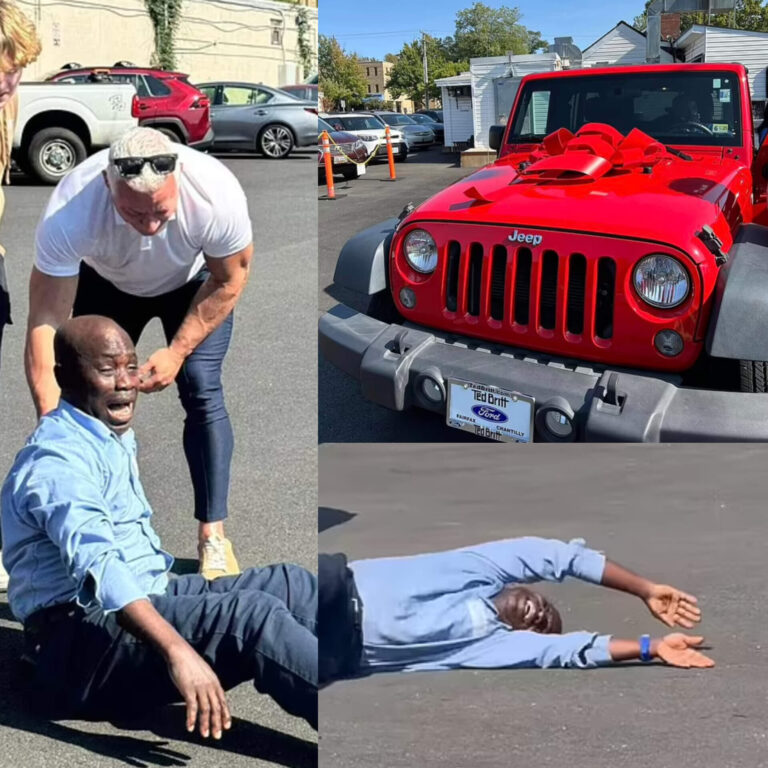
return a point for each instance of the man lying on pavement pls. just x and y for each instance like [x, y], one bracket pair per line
[467, 608]
[106, 630]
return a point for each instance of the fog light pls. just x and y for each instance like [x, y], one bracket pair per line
[668, 343]
[407, 298]
[555, 421]
[430, 387]
[431, 390]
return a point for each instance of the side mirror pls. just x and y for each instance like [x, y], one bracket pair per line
[496, 136]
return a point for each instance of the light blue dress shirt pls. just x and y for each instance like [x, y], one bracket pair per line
[435, 611]
[75, 519]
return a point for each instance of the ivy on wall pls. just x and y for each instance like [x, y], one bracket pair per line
[305, 49]
[165, 16]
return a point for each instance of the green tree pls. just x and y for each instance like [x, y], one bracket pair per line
[165, 16]
[407, 76]
[485, 31]
[535, 42]
[341, 76]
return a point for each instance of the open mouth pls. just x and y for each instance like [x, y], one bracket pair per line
[122, 411]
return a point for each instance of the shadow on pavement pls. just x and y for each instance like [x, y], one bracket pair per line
[245, 738]
[328, 517]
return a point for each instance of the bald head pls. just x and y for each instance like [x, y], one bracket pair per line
[97, 370]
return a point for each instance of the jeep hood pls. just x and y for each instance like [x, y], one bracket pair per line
[668, 201]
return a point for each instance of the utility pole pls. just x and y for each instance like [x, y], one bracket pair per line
[426, 73]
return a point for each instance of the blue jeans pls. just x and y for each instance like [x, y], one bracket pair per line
[259, 626]
[208, 437]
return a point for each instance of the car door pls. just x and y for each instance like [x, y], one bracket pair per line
[236, 117]
[147, 103]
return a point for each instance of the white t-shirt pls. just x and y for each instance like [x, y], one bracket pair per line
[81, 223]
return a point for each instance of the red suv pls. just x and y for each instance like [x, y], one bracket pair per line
[166, 100]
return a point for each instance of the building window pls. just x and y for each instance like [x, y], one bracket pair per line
[377, 87]
[277, 31]
[367, 71]
[375, 71]
[369, 87]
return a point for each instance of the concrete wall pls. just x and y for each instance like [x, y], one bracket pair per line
[215, 41]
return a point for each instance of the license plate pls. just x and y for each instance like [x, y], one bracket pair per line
[490, 412]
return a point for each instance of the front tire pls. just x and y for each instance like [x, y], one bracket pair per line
[53, 152]
[753, 375]
[275, 142]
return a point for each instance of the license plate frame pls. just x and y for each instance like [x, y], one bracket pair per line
[489, 411]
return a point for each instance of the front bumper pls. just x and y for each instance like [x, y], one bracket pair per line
[608, 405]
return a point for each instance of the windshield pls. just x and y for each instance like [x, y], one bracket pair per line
[356, 123]
[323, 126]
[673, 107]
[397, 119]
[423, 119]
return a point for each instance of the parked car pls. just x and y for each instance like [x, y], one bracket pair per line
[416, 136]
[372, 132]
[304, 91]
[59, 125]
[167, 100]
[346, 151]
[255, 117]
[435, 114]
[437, 127]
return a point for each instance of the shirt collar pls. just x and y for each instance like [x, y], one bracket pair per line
[93, 425]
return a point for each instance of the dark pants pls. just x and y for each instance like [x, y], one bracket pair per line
[259, 626]
[208, 438]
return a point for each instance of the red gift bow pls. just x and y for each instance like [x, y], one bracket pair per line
[595, 150]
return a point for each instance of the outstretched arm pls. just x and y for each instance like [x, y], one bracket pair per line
[668, 604]
[520, 648]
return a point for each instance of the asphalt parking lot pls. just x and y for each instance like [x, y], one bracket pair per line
[692, 516]
[344, 415]
[273, 404]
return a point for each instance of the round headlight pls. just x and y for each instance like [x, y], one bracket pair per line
[661, 281]
[420, 251]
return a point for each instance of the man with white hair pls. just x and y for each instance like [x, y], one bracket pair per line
[149, 228]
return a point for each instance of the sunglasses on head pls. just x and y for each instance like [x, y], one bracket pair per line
[129, 167]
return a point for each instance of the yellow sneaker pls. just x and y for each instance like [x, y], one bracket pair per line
[217, 558]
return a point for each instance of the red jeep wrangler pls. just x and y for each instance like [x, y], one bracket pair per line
[605, 279]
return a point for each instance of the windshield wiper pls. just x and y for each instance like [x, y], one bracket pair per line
[677, 153]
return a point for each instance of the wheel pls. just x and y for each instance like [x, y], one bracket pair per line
[275, 142]
[382, 307]
[753, 375]
[170, 133]
[402, 155]
[53, 152]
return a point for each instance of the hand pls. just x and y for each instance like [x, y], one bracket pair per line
[677, 650]
[673, 607]
[160, 370]
[201, 690]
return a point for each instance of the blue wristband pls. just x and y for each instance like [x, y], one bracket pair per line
[645, 648]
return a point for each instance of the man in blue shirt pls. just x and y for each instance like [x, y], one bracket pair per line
[105, 629]
[467, 608]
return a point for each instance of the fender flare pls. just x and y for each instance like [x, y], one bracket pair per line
[362, 263]
[738, 326]
[151, 122]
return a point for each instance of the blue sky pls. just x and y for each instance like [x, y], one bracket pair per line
[372, 29]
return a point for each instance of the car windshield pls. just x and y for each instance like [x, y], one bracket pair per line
[323, 126]
[397, 119]
[423, 119]
[289, 95]
[673, 107]
[356, 123]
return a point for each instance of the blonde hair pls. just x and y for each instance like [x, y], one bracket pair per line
[19, 43]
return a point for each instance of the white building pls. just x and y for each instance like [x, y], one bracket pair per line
[494, 82]
[456, 98]
[621, 45]
[718, 44]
